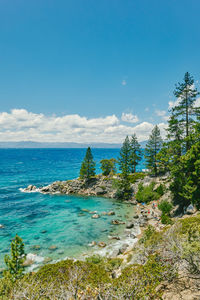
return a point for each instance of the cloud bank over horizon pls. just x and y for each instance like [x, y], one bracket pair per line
[21, 125]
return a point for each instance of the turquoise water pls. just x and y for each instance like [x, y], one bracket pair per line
[51, 220]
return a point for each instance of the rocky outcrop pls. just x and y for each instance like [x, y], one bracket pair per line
[98, 186]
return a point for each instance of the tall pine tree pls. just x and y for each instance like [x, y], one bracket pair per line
[135, 153]
[153, 146]
[124, 159]
[87, 170]
[185, 111]
[124, 190]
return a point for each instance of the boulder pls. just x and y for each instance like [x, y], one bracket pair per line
[53, 247]
[111, 213]
[92, 244]
[45, 189]
[122, 249]
[36, 247]
[31, 187]
[47, 260]
[113, 237]
[100, 191]
[28, 262]
[130, 225]
[95, 216]
[190, 210]
[117, 222]
[102, 244]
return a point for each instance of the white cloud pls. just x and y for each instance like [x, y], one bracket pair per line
[146, 109]
[197, 102]
[21, 125]
[162, 114]
[124, 82]
[129, 118]
[176, 102]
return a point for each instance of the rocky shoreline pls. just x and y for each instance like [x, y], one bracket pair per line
[142, 214]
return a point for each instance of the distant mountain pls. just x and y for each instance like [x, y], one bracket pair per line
[30, 144]
[27, 144]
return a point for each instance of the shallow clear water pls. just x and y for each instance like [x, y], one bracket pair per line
[47, 220]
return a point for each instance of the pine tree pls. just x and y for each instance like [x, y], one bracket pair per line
[135, 153]
[124, 190]
[124, 159]
[15, 262]
[108, 166]
[185, 110]
[88, 166]
[152, 148]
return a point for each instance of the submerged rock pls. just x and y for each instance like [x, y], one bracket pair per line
[117, 222]
[111, 213]
[53, 247]
[95, 216]
[102, 244]
[36, 247]
[92, 244]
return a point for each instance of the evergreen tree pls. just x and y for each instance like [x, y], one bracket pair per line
[185, 185]
[175, 135]
[124, 159]
[185, 110]
[124, 190]
[88, 166]
[108, 166]
[135, 153]
[15, 262]
[152, 148]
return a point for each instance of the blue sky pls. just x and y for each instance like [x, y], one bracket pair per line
[94, 59]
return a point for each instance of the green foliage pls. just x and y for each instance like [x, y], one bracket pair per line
[186, 178]
[185, 110]
[124, 190]
[108, 166]
[15, 262]
[124, 159]
[165, 207]
[153, 146]
[135, 153]
[87, 170]
[136, 176]
[160, 190]
[148, 233]
[165, 219]
[141, 281]
[146, 193]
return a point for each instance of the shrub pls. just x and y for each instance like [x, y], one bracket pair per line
[146, 193]
[160, 190]
[165, 219]
[136, 176]
[165, 207]
[148, 233]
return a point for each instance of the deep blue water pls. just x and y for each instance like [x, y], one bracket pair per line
[28, 214]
